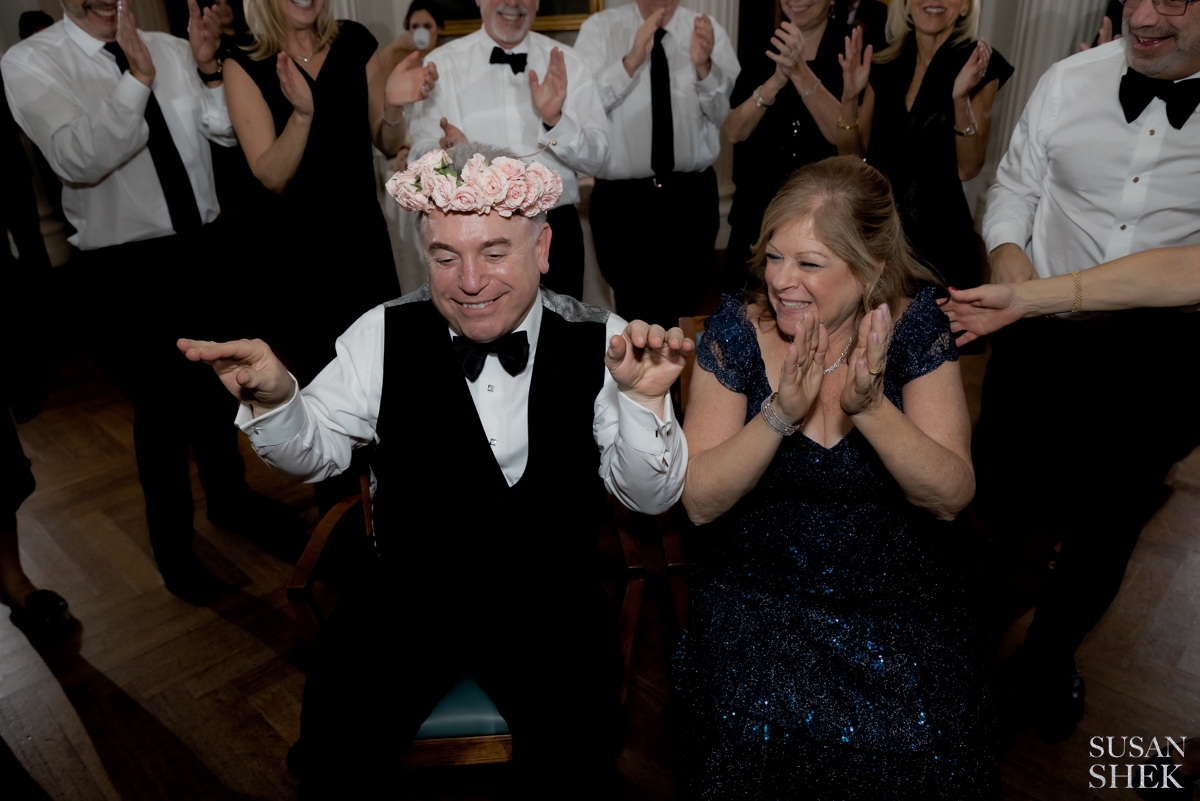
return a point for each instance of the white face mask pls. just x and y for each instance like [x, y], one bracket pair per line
[420, 38]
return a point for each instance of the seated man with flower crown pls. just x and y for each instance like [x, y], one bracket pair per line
[499, 413]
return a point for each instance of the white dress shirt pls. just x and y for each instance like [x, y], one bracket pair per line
[492, 105]
[643, 458]
[1080, 186]
[88, 119]
[698, 107]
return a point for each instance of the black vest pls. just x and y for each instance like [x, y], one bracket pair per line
[447, 525]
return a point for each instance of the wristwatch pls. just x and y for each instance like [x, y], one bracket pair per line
[210, 77]
[972, 129]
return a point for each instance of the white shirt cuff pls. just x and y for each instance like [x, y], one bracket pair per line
[617, 78]
[1003, 233]
[132, 93]
[642, 429]
[277, 426]
[565, 131]
[711, 83]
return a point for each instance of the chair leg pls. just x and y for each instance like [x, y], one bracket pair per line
[631, 609]
[676, 568]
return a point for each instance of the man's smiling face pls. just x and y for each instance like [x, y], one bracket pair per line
[96, 17]
[484, 270]
[1159, 45]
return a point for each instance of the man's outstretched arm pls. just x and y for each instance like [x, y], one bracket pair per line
[306, 434]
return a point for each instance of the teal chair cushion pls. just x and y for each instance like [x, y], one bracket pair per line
[466, 711]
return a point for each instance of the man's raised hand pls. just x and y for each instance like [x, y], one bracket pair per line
[645, 360]
[551, 93]
[453, 136]
[247, 368]
[643, 43]
[141, 66]
[204, 35]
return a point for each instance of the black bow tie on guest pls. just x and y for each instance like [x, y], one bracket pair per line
[1138, 90]
[513, 350]
[514, 60]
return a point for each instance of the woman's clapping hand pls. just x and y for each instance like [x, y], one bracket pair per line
[803, 369]
[789, 41]
[863, 391]
[856, 65]
[410, 81]
[973, 71]
[294, 85]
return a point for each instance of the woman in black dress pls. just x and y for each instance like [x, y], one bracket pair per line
[930, 98]
[784, 115]
[307, 100]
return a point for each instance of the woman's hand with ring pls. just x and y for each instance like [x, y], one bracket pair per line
[973, 71]
[803, 369]
[789, 41]
[863, 391]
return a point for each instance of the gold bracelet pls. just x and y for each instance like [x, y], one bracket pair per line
[843, 126]
[1078, 304]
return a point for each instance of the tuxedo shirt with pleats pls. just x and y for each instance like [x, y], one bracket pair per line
[643, 457]
[490, 103]
[88, 119]
[1080, 185]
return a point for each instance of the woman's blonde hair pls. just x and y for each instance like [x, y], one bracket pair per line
[850, 205]
[269, 23]
[900, 25]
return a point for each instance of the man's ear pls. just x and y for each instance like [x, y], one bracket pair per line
[543, 248]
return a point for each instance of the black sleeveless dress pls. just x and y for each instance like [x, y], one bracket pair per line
[831, 654]
[916, 150]
[326, 233]
[786, 139]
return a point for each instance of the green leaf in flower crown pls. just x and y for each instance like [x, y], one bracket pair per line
[417, 184]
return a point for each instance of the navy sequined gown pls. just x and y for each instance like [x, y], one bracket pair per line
[830, 653]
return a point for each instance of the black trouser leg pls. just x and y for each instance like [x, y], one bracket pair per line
[659, 262]
[566, 252]
[1058, 450]
[379, 668]
[557, 685]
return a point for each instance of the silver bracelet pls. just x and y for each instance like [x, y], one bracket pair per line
[388, 122]
[758, 101]
[773, 420]
[804, 95]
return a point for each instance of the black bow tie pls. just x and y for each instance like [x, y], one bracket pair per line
[513, 350]
[514, 60]
[1137, 91]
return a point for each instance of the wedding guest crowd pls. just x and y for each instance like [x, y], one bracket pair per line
[831, 642]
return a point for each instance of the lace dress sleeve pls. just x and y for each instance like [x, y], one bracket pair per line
[723, 348]
[922, 341]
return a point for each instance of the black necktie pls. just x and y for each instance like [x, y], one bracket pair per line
[514, 60]
[176, 187]
[1181, 98]
[662, 125]
[513, 350]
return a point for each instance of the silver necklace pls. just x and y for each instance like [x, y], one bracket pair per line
[838, 363]
[306, 58]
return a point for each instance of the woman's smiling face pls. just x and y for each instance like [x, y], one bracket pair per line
[803, 275]
[936, 16]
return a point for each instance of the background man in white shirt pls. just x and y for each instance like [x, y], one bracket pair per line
[665, 75]
[1103, 163]
[125, 121]
[497, 423]
[524, 91]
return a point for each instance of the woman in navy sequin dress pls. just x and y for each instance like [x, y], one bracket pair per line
[830, 653]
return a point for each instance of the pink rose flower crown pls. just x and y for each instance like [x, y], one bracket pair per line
[506, 185]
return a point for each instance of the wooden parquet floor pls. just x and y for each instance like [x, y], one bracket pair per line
[155, 698]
